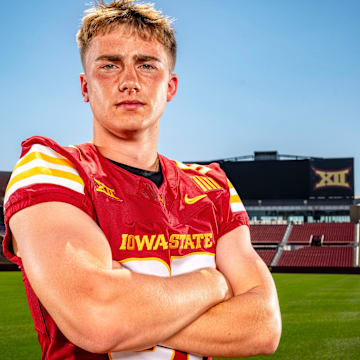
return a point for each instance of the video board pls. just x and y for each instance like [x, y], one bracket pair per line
[292, 179]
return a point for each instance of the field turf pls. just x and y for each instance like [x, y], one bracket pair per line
[321, 318]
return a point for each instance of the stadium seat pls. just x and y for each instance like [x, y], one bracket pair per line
[334, 233]
[325, 256]
[266, 255]
[267, 234]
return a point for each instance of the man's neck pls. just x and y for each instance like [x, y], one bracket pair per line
[137, 151]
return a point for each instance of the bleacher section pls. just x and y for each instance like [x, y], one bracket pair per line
[306, 246]
[266, 255]
[313, 256]
[334, 233]
[267, 234]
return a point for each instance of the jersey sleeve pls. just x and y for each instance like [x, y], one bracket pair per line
[42, 175]
[234, 211]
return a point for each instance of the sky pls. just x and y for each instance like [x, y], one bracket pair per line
[254, 75]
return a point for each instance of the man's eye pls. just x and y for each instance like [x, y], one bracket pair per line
[108, 66]
[147, 67]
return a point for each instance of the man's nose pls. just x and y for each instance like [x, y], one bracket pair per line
[129, 81]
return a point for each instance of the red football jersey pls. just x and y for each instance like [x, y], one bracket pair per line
[162, 231]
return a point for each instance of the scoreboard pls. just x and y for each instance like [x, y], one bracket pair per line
[292, 179]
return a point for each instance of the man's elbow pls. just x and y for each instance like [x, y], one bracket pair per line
[103, 335]
[94, 337]
[105, 343]
[270, 339]
[101, 340]
[270, 346]
[263, 339]
[93, 329]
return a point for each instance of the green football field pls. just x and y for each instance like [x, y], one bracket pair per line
[321, 318]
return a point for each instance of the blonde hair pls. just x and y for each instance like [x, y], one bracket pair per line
[143, 19]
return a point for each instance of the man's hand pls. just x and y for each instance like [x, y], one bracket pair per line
[229, 294]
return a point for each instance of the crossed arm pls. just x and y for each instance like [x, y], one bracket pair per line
[68, 262]
[247, 324]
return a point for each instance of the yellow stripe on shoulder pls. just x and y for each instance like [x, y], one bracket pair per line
[41, 156]
[231, 186]
[236, 204]
[235, 199]
[43, 165]
[46, 171]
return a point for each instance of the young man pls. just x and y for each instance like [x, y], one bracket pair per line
[125, 253]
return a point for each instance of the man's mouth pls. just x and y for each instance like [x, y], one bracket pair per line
[130, 105]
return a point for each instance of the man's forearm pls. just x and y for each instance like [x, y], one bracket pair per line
[154, 307]
[245, 325]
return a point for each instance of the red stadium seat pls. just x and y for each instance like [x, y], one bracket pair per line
[325, 256]
[334, 233]
[266, 255]
[267, 234]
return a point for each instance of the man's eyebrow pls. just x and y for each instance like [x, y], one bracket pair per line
[146, 58]
[140, 58]
[110, 57]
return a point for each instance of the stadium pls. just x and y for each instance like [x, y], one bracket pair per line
[253, 75]
[305, 226]
[303, 211]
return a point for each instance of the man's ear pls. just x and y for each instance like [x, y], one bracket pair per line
[84, 87]
[172, 87]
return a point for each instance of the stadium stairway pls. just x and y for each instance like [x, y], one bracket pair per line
[280, 247]
[356, 244]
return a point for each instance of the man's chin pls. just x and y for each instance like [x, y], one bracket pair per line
[132, 126]
[118, 124]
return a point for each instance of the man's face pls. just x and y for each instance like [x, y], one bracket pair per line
[127, 81]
